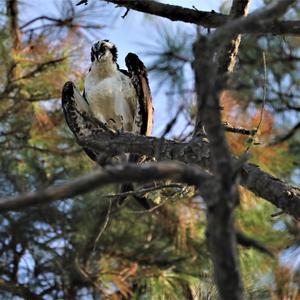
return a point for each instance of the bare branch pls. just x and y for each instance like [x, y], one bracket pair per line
[227, 54]
[173, 12]
[40, 67]
[261, 17]
[143, 191]
[262, 184]
[206, 19]
[288, 135]
[220, 219]
[13, 13]
[118, 174]
[239, 130]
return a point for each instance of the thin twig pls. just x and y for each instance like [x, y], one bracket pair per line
[141, 192]
[126, 13]
[104, 225]
[85, 2]
[239, 130]
[288, 135]
[86, 275]
[278, 213]
[151, 209]
[264, 92]
[263, 103]
[172, 122]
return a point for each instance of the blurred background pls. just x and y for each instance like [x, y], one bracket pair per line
[81, 248]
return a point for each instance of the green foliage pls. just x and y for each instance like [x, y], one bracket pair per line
[75, 249]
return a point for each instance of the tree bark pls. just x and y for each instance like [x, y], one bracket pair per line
[206, 19]
[13, 24]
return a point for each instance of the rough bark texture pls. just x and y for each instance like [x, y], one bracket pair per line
[220, 219]
[262, 184]
[221, 235]
[13, 14]
[209, 85]
[124, 173]
[219, 187]
[227, 55]
[206, 19]
[174, 12]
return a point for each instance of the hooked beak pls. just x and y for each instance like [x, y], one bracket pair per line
[99, 55]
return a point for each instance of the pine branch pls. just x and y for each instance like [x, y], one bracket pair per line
[173, 12]
[119, 174]
[206, 19]
[209, 85]
[228, 53]
[262, 184]
[285, 137]
[239, 130]
[248, 242]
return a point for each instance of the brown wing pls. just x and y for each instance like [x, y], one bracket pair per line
[76, 115]
[139, 78]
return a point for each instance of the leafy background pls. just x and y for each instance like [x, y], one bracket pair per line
[74, 249]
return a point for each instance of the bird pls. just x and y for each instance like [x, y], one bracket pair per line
[112, 98]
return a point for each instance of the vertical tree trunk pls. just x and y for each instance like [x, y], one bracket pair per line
[223, 196]
[13, 24]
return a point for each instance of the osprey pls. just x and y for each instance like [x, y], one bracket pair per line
[119, 99]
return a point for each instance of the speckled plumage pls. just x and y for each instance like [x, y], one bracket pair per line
[120, 99]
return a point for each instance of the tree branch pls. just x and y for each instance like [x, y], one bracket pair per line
[262, 184]
[173, 12]
[285, 137]
[113, 174]
[221, 235]
[261, 18]
[13, 13]
[227, 54]
[205, 19]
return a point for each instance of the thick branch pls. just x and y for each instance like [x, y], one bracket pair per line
[253, 178]
[220, 214]
[118, 174]
[13, 14]
[261, 17]
[221, 235]
[228, 53]
[174, 12]
[206, 19]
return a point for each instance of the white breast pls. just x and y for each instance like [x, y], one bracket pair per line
[112, 99]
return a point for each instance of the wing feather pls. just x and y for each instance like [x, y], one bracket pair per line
[77, 113]
[139, 78]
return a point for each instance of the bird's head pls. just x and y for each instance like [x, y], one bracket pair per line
[104, 51]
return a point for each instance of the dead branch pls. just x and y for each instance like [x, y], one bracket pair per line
[262, 184]
[239, 130]
[112, 174]
[285, 137]
[206, 19]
